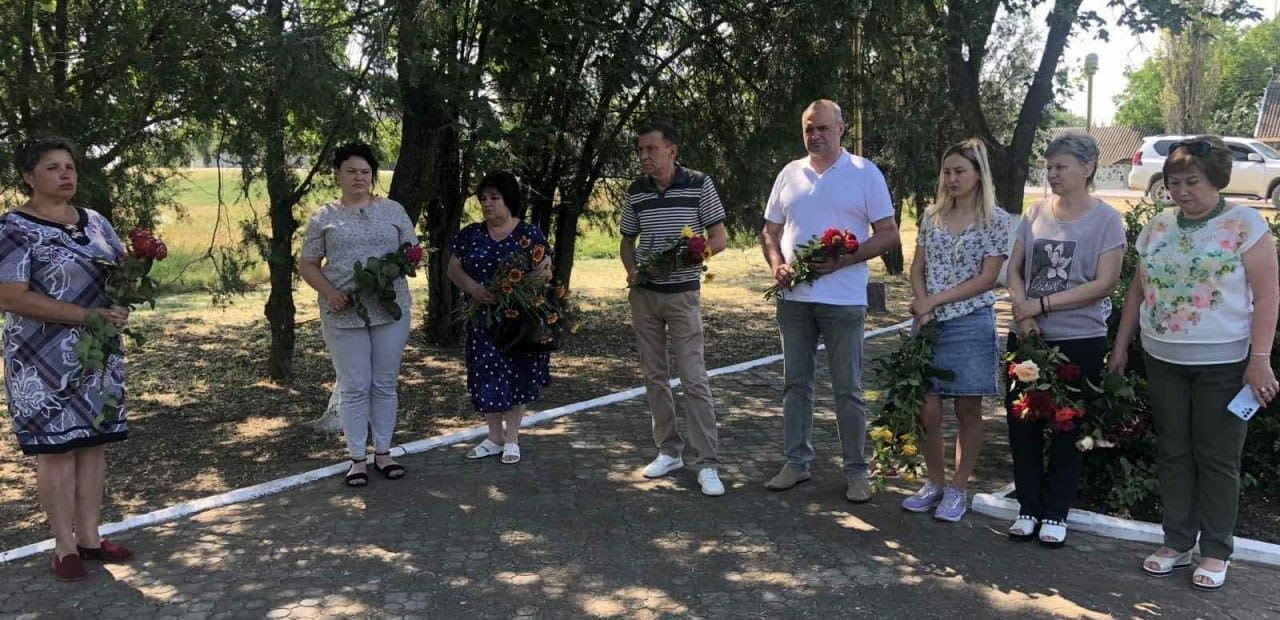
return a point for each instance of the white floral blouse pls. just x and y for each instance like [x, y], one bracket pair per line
[1196, 291]
[950, 260]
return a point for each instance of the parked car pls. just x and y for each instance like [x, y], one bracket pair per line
[1255, 173]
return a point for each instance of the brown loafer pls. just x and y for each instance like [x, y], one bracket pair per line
[107, 551]
[69, 568]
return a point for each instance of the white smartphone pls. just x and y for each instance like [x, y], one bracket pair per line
[1244, 405]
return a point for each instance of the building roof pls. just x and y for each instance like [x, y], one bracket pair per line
[1116, 143]
[1269, 112]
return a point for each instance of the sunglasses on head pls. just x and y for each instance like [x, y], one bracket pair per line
[1198, 148]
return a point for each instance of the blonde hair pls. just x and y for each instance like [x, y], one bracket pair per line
[975, 151]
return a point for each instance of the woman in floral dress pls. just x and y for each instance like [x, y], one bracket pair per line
[963, 241]
[501, 386]
[1206, 298]
[50, 285]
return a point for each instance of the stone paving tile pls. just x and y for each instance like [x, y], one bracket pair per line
[574, 531]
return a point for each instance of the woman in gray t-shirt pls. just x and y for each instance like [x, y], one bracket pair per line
[366, 355]
[1064, 265]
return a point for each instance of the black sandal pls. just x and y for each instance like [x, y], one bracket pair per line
[394, 471]
[357, 479]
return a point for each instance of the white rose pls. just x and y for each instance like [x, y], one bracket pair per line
[1085, 444]
[1027, 371]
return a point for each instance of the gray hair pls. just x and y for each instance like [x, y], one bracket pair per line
[1078, 145]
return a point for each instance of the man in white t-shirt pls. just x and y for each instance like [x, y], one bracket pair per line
[828, 189]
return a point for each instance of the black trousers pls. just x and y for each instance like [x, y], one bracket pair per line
[1048, 492]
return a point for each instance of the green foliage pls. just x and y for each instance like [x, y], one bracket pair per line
[903, 377]
[1139, 105]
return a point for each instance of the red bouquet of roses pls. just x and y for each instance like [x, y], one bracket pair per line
[127, 283]
[376, 278]
[1049, 382]
[688, 250]
[833, 244]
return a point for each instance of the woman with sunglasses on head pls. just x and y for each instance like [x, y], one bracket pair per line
[1064, 265]
[1205, 298]
[962, 244]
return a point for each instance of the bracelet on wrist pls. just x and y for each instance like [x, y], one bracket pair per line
[1268, 354]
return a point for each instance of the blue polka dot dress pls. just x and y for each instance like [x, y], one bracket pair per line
[495, 381]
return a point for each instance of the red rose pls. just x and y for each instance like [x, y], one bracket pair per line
[850, 243]
[1069, 372]
[1012, 370]
[413, 255]
[697, 246]
[1020, 408]
[138, 235]
[159, 250]
[831, 237]
[1041, 402]
[1064, 415]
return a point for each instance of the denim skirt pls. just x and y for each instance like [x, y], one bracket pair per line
[969, 347]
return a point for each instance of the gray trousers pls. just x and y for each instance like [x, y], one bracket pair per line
[1198, 453]
[840, 327]
[367, 362]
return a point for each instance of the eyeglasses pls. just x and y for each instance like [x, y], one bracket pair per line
[1198, 148]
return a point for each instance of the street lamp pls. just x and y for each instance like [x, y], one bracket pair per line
[1090, 68]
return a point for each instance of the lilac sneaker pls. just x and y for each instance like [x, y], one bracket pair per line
[953, 505]
[925, 499]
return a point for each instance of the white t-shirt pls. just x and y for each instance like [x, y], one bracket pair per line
[850, 194]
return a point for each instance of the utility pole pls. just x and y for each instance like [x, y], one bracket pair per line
[1090, 68]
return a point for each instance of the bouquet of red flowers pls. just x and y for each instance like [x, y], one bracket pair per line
[833, 244]
[1050, 384]
[127, 284]
[531, 314]
[376, 278]
[688, 250]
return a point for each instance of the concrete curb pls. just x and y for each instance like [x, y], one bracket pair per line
[186, 509]
[999, 505]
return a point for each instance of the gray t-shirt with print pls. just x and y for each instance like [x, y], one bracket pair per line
[343, 235]
[1062, 255]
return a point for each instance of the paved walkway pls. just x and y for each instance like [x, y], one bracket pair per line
[574, 531]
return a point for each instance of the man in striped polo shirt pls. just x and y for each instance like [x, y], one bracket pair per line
[658, 206]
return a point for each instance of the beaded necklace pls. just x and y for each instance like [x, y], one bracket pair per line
[1189, 225]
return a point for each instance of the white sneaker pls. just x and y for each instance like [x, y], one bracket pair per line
[710, 482]
[662, 466]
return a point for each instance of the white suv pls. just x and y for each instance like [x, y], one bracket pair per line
[1255, 172]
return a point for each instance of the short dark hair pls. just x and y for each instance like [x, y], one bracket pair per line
[669, 131]
[30, 152]
[508, 186]
[1207, 153]
[356, 149]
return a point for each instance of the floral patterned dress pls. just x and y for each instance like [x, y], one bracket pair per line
[51, 406]
[495, 381]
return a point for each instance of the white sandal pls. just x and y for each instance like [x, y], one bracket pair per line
[511, 453]
[1165, 565]
[1053, 533]
[1023, 528]
[486, 448]
[1216, 579]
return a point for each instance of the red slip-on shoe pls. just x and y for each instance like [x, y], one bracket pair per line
[68, 568]
[107, 552]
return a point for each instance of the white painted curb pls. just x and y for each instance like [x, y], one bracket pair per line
[245, 494]
[1000, 506]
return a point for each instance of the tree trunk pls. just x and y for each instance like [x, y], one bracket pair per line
[280, 261]
[444, 215]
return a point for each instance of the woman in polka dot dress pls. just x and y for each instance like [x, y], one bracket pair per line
[500, 386]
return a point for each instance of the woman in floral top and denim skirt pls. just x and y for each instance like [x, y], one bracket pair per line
[961, 246]
[1206, 298]
[1063, 267]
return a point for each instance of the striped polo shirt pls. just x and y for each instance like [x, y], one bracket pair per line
[657, 217]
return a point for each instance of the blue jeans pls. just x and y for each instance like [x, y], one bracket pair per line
[800, 324]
